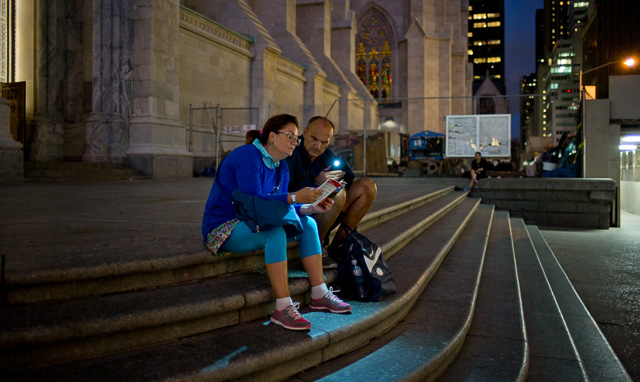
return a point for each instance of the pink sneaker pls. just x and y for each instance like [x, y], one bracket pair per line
[290, 318]
[330, 302]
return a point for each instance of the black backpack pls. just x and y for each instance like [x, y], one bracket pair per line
[376, 277]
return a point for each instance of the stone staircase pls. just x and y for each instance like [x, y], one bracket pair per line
[480, 297]
[70, 172]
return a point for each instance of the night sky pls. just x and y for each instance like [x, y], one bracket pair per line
[520, 39]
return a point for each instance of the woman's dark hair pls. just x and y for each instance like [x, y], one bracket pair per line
[478, 152]
[274, 124]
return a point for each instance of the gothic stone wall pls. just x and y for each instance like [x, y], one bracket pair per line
[216, 69]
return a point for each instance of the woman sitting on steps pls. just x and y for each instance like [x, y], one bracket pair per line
[252, 168]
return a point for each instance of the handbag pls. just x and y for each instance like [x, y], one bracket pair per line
[376, 278]
[264, 214]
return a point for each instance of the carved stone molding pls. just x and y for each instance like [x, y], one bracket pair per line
[210, 30]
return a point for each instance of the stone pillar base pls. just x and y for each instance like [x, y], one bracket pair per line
[157, 146]
[163, 166]
[11, 166]
[11, 157]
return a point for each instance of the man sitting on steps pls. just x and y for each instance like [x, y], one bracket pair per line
[311, 165]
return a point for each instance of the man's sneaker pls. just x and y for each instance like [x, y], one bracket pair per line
[290, 318]
[330, 302]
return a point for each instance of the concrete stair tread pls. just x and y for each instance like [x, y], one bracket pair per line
[254, 346]
[139, 311]
[79, 318]
[88, 328]
[553, 356]
[71, 172]
[430, 336]
[128, 273]
[599, 360]
[154, 260]
[390, 237]
[496, 346]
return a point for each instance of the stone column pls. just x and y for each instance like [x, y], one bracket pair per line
[48, 133]
[417, 78]
[106, 129]
[284, 34]
[11, 162]
[157, 137]
[315, 21]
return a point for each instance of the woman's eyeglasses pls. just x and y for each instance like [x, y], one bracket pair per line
[290, 136]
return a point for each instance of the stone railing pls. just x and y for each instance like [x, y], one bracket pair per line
[564, 202]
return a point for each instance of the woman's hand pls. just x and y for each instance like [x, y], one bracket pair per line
[321, 207]
[307, 195]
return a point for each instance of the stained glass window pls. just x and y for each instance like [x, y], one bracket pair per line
[373, 54]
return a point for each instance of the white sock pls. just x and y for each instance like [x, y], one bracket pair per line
[282, 303]
[319, 291]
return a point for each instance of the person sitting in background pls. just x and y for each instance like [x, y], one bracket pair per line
[311, 164]
[251, 136]
[253, 169]
[479, 167]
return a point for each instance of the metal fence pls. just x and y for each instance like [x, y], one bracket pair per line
[415, 134]
[219, 129]
[407, 133]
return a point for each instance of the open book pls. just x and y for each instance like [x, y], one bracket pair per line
[329, 189]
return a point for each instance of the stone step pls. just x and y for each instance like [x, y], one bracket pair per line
[57, 331]
[265, 352]
[599, 360]
[495, 347]
[552, 351]
[429, 338]
[123, 273]
[70, 172]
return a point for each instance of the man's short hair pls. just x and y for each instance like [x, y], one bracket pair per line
[317, 117]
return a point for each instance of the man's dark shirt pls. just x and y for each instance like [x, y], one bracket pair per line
[475, 166]
[302, 173]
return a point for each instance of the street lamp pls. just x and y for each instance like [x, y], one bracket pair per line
[630, 62]
[580, 133]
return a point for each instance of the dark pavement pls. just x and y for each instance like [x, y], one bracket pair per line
[81, 224]
[604, 268]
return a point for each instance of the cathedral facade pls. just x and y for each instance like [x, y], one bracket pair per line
[145, 82]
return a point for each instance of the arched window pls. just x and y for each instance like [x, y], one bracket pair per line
[373, 54]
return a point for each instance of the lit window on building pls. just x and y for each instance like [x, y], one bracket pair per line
[470, 52]
[494, 59]
[480, 16]
[493, 42]
[479, 25]
[480, 60]
[493, 15]
[493, 24]
[479, 43]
